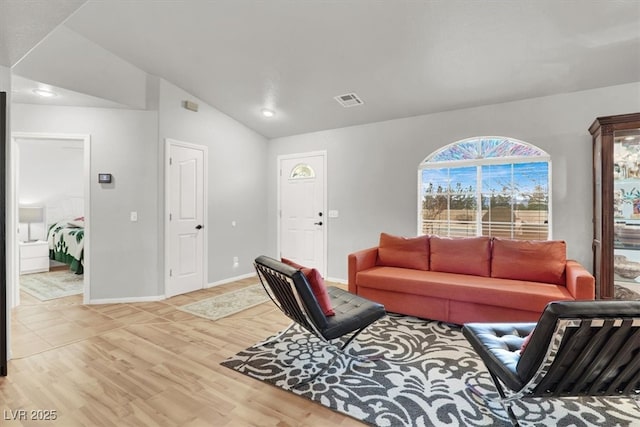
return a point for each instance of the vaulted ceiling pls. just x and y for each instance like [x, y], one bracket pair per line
[402, 58]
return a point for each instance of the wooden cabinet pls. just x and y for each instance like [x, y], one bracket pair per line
[34, 257]
[616, 201]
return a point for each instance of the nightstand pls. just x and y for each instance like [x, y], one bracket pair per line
[34, 257]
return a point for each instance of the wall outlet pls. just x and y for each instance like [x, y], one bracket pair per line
[236, 261]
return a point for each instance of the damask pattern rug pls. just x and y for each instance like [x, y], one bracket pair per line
[421, 380]
[226, 304]
[52, 284]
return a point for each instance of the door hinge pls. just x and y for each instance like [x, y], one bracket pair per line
[170, 217]
[170, 161]
[170, 273]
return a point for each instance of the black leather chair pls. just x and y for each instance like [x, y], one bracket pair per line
[289, 289]
[577, 348]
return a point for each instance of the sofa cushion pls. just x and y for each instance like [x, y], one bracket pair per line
[466, 255]
[405, 252]
[515, 294]
[316, 282]
[531, 260]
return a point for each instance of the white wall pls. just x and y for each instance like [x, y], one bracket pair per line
[50, 169]
[372, 176]
[124, 262]
[237, 188]
[5, 86]
[127, 257]
[51, 172]
[372, 169]
[5, 80]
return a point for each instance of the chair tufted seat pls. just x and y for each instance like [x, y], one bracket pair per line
[503, 342]
[352, 311]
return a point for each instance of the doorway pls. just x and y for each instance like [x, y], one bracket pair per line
[58, 205]
[302, 201]
[4, 292]
[186, 217]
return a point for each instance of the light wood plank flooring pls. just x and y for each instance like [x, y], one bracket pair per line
[144, 364]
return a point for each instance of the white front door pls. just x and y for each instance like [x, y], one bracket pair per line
[303, 221]
[186, 216]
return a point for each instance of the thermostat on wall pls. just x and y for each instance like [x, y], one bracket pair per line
[104, 178]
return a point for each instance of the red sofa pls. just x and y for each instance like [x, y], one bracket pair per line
[460, 280]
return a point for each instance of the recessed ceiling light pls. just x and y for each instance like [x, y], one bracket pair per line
[44, 93]
[268, 113]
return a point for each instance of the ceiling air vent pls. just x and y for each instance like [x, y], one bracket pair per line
[348, 100]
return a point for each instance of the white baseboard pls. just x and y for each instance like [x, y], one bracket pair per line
[336, 280]
[125, 300]
[163, 297]
[231, 279]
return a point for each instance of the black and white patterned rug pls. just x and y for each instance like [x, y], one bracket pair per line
[421, 380]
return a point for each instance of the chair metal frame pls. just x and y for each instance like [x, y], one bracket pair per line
[289, 290]
[574, 364]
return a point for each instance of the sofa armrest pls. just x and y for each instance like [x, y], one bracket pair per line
[359, 261]
[580, 283]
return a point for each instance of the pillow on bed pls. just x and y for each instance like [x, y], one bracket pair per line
[77, 223]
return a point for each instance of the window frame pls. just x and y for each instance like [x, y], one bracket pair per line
[542, 156]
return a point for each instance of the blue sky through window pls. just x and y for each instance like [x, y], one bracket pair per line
[520, 177]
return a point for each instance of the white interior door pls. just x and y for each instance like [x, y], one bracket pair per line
[186, 216]
[302, 209]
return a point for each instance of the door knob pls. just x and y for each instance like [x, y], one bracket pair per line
[318, 223]
[199, 227]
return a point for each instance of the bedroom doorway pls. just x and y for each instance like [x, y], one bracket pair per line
[39, 199]
[4, 292]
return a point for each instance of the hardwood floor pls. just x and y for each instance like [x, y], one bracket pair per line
[144, 364]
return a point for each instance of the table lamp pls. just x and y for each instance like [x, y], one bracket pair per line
[30, 215]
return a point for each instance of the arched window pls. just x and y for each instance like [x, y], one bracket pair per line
[302, 171]
[486, 186]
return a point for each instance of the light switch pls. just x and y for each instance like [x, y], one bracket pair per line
[134, 216]
[333, 214]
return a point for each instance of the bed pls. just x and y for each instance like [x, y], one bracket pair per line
[66, 243]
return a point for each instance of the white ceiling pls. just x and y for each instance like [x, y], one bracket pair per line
[402, 58]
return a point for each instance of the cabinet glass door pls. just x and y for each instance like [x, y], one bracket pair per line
[626, 208]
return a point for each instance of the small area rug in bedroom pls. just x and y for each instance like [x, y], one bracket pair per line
[52, 284]
[226, 304]
[421, 380]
